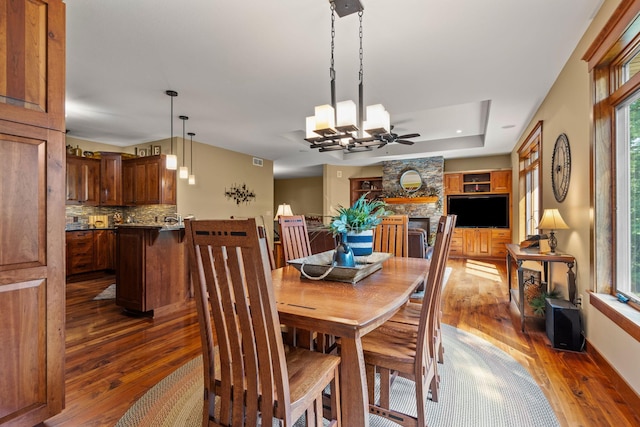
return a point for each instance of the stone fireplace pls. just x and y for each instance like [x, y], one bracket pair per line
[431, 171]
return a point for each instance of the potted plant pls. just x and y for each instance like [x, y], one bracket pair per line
[355, 224]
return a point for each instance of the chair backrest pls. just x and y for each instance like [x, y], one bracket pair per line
[264, 241]
[392, 235]
[234, 295]
[294, 237]
[426, 326]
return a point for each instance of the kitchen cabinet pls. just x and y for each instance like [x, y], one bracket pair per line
[111, 179]
[83, 181]
[90, 250]
[146, 181]
[32, 194]
[151, 269]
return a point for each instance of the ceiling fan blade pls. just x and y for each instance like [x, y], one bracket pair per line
[409, 135]
[405, 142]
[382, 144]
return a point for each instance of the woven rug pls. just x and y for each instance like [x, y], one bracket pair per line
[109, 293]
[481, 386]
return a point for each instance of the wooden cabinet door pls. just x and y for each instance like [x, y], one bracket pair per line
[477, 241]
[501, 181]
[128, 183]
[452, 183]
[82, 181]
[32, 196]
[152, 181]
[111, 180]
[102, 247]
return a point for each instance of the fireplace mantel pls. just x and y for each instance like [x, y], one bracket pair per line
[407, 200]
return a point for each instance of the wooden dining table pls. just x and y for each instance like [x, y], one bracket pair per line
[348, 311]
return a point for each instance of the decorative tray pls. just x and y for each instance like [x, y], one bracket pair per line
[319, 267]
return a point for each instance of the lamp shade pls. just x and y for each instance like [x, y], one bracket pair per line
[551, 220]
[283, 210]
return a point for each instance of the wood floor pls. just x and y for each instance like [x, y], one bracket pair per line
[113, 359]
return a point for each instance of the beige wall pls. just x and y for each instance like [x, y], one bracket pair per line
[477, 163]
[567, 109]
[303, 194]
[336, 184]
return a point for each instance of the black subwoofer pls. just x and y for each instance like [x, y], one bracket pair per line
[564, 327]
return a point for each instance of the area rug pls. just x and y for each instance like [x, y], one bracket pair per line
[109, 293]
[481, 386]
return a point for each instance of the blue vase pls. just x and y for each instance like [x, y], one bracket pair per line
[343, 256]
[361, 243]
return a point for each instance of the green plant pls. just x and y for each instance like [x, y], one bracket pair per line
[361, 216]
[538, 303]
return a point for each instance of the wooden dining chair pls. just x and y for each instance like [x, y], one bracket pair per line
[410, 312]
[392, 235]
[398, 349]
[249, 378]
[294, 237]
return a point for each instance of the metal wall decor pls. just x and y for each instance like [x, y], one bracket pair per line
[240, 194]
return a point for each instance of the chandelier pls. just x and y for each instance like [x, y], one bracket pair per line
[337, 126]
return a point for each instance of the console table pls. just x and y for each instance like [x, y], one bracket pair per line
[518, 255]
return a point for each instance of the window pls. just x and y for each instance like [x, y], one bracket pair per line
[627, 125]
[614, 65]
[529, 159]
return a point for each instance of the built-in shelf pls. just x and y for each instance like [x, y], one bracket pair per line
[405, 200]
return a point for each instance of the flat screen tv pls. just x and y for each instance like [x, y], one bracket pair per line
[491, 210]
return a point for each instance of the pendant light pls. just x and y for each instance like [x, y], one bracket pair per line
[192, 177]
[183, 173]
[172, 159]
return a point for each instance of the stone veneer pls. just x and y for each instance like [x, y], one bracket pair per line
[431, 170]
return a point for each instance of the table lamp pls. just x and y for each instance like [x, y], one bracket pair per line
[283, 209]
[551, 220]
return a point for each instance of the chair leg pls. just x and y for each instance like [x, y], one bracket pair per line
[385, 387]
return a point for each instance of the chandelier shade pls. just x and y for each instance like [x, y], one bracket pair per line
[183, 172]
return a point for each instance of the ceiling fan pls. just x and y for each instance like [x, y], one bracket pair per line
[390, 137]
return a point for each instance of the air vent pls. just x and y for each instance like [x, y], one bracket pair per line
[257, 162]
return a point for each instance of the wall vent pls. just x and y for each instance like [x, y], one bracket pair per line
[257, 162]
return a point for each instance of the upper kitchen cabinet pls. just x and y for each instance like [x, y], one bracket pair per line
[111, 179]
[32, 166]
[83, 181]
[146, 181]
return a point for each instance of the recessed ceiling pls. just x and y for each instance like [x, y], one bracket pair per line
[248, 76]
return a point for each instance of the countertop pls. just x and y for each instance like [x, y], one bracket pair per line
[155, 226]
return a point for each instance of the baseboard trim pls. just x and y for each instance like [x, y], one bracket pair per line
[628, 394]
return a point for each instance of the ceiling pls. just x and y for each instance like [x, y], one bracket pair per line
[467, 75]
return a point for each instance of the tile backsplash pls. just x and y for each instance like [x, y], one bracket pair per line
[77, 216]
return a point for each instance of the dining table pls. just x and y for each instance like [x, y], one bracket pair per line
[348, 311]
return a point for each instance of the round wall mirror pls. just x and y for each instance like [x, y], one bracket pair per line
[411, 181]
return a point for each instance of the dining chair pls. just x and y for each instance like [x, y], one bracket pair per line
[410, 312]
[392, 235]
[399, 349]
[249, 378]
[294, 237]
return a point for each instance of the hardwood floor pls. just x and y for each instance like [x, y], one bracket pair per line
[113, 359]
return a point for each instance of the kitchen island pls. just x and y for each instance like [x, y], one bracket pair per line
[152, 276]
